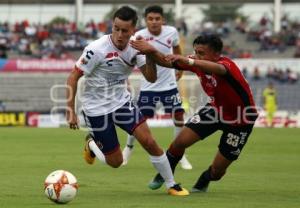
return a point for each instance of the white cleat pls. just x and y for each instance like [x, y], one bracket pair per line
[185, 164]
[127, 151]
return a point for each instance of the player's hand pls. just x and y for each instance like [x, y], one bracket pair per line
[142, 45]
[174, 58]
[139, 37]
[72, 119]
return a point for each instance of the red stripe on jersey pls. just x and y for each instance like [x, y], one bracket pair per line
[161, 43]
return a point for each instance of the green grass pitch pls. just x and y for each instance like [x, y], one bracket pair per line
[267, 175]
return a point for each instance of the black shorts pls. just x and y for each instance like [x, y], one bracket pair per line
[233, 139]
[170, 99]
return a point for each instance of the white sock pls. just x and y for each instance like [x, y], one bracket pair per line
[162, 165]
[177, 129]
[130, 140]
[97, 151]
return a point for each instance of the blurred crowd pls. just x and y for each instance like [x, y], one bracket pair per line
[56, 40]
[224, 30]
[60, 39]
[273, 74]
[262, 32]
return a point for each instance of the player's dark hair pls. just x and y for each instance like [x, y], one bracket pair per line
[212, 40]
[154, 9]
[126, 13]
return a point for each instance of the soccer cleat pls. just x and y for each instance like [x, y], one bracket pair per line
[185, 164]
[197, 190]
[176, 190]
[201, 186]
[126, 154]
[156, 183]
[88, 155]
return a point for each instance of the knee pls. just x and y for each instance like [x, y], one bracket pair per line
[152, 148]
[216, 173]
[115, 162]
[178, 120]
[149, 144]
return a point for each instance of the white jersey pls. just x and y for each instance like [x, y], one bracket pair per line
[106, 70]
[164, 42]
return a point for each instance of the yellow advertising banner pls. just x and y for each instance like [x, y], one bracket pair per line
[12, 119]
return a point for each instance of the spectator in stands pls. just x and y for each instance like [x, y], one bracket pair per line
[3, 47]
[270, 103]
[256, 73]
[292, 77]
[270, 73]
[281, 76]
[264, 21]
[297, 51]
[245, 72]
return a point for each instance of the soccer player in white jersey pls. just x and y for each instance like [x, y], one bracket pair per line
[166, 40]
[106, 64]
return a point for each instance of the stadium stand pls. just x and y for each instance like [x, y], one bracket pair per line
[288, 94]
[65, 40]
[31, 91]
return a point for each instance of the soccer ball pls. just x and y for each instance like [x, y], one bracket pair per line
[61, 186]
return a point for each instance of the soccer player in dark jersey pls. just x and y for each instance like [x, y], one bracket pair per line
[231, 109]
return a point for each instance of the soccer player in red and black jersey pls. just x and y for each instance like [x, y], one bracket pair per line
[231, 109]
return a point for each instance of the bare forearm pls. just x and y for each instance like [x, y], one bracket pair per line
[206, 66]
[150, 72]
[177, 50]
[210, 67]
[149, 50]
[71, 91]
[159, 58]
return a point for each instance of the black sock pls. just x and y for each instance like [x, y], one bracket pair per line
[130, 146]
[203, 180]
[173, 160]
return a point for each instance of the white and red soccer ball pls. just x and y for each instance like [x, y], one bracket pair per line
[61, 186]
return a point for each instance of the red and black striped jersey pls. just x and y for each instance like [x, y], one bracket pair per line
[229, 93]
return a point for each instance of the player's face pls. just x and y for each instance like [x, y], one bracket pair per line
[204, 52]
[121, 32]
[154, 22]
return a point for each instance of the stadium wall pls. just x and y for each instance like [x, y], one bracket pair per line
[65, 65]
[47, 120]
[34, 93]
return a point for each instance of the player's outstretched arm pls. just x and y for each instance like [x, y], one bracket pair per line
[203, 65]
[177, 50]
[144, 47]
[71, 93]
